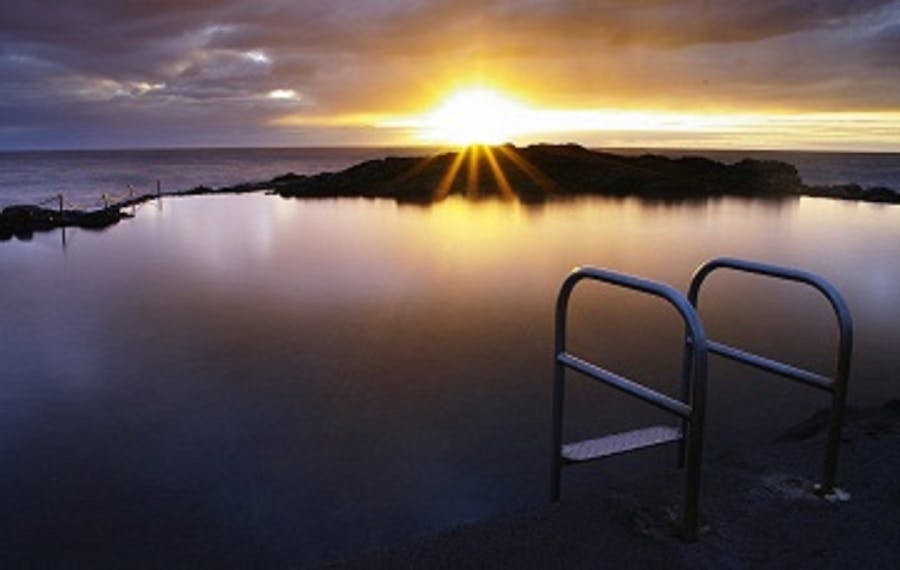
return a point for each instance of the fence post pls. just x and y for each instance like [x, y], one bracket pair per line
[105, 201]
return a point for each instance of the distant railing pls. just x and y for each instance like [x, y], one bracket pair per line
[104, 201]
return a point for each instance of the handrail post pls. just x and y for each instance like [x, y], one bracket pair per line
[838, 404]
[559, 386]
[694, 454]
[558, 399]
[686, 376]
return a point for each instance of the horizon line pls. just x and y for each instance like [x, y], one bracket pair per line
[443, 148]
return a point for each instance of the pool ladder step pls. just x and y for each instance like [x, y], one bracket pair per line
[617, 443]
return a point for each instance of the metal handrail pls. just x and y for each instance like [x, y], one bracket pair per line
[836, 385]
[691, 410]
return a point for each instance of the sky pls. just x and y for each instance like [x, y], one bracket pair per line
[693, 73]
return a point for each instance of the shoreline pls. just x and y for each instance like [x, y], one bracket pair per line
[531, 175]
[757, 509]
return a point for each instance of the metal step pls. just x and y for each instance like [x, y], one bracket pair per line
[617, 443]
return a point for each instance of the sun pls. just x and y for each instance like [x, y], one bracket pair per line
[474, 116]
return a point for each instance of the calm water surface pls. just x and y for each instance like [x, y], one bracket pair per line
[258, 380]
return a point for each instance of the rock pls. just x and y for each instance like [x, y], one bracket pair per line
[197, 190]
[100, 219]
[539, 172]
[855, 192]
[31, 217]
[23, 221]
[881, 194]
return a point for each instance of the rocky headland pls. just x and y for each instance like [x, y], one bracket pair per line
[543, 172]
[532, 174]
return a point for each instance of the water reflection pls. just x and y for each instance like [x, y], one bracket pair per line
[273, 381]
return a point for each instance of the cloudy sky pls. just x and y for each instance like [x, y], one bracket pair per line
[119, 73]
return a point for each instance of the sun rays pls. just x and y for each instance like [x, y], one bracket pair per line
[479, 171]
[478, 120]
[446, 184]
[506, 191]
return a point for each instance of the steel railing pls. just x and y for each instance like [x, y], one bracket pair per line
[836, 385]
[690, 411]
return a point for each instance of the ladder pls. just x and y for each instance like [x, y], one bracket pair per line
[689, 409]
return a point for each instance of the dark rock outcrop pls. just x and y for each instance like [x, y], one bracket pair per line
[23, 221]
[538, 172]
[855, 192]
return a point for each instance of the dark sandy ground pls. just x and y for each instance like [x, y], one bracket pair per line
[757, 506]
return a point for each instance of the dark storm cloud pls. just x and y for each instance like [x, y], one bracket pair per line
[206, 63]
[650, 22]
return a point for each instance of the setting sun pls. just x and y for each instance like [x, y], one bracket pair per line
[481, 115]
[474, 116]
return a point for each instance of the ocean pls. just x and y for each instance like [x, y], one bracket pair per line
[84, 176]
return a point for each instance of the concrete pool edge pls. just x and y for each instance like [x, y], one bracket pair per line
[757, 509]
